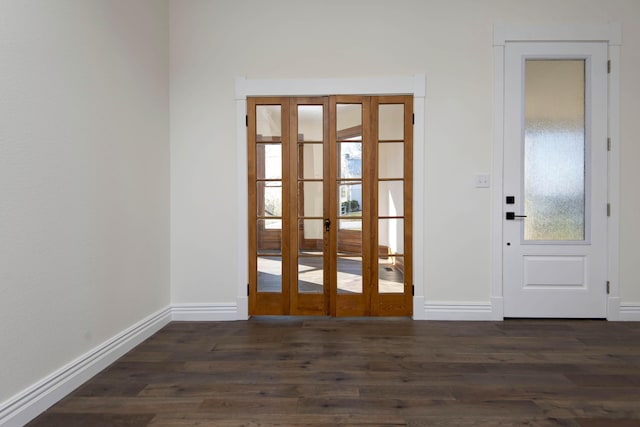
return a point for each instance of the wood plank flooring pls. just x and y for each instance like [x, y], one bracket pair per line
[367, 372]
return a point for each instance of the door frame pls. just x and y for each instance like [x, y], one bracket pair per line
[399, 85]
[612, 35]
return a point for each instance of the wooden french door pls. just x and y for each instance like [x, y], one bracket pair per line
[330, 205]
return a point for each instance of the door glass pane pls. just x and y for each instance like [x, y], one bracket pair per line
[310, 236]
[390, 236]
[310, 275]
[350, 236]
[349, 275]
[391, 160]
[390, 198]
[349, 122]
[269, 198]
[350, 159]
[350, 199]
[268, 161]
[310, 123]
[268, 123]
[391, 274]
[310, 198]
[310, 161]
[554, 150]
[269, 274]
[391, 122]
[269, 236]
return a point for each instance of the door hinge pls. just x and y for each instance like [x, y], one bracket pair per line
[413, 119]
[608, 287]
[247, 289]
[609, 66]
[413, 290]
[608, 144]
[246, 120]
[608, 209]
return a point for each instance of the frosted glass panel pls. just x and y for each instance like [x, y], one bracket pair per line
[268, 122]
[390, 198]
[554, 150]
[391, 122]
[310, 161]
[309, 122]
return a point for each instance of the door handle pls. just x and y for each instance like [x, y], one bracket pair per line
[327, 224]
[512, 215]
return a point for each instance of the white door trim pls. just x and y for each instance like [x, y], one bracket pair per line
[612, 35]
[410, 85]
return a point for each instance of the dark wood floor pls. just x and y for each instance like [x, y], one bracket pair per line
[368, 372]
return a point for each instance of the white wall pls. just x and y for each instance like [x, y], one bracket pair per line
[84, 178]
[212, 42]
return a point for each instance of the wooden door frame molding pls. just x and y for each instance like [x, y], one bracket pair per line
[400, 85]
[503, 34]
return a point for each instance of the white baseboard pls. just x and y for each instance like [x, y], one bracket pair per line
[418, 308]
[630, 312]
[25, 406]
[205, 312]
[443, 310]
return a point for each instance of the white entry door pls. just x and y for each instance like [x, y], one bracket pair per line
[555, 180]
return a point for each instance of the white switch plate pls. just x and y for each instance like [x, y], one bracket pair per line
[482, 180]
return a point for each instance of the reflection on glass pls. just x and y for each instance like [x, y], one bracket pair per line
[391, 275]
[310, 236]
[391, 122]
[350, 236]
[269, 161]
[269, 274]
[350, 199]
[349, 275]
[349, 122]
[269, 236]
[391, 236]
[391, 160]
[268, 122]
[350, 159]
[390, 198]
[269, 195]
[310, 198]
[310, 161]
[309, 123]
[554, 150]
[310, 275]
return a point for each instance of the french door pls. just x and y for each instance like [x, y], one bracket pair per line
[330, 205]
[555, 180]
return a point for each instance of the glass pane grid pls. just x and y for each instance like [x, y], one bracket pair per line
[391, 274]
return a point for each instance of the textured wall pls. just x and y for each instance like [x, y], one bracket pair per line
[212, 42]
[84, 178]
